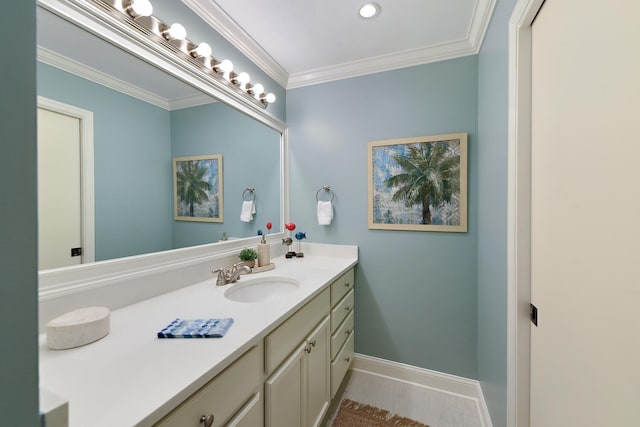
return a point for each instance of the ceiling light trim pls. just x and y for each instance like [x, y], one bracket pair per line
[369, 10]
[379, 64]
[215, 16]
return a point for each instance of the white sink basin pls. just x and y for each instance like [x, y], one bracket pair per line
[261, 289]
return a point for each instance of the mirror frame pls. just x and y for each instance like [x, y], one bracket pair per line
[70, 280]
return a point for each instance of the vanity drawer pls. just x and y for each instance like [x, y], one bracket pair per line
[222, 396]
[280, 343]
[340, 311]
[341, 334]
[340, 365]
[341, 286]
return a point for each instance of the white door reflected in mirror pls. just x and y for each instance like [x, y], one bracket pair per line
[65, 185]
[59, 216]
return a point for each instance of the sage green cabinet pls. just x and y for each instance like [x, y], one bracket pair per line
[297, 392]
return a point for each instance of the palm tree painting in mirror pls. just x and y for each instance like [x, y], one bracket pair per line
[197, 188]
[419, 183]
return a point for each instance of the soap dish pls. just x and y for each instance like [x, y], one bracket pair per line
[78, 327]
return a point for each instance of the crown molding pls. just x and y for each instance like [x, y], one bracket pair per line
[479, 23]
[190, 101]
[215, 16]
[64, 63]
[481, 16]
[379, 64]
[69, 65]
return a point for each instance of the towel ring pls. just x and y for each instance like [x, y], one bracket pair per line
[326, 188]
[250, 190]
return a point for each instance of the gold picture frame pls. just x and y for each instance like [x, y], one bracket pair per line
[419, 183]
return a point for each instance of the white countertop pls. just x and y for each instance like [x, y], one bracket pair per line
[131, 377]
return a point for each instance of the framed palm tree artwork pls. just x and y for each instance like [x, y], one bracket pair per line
[419, 183]
[197, 188]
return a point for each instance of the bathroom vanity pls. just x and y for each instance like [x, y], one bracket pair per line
[280, 364]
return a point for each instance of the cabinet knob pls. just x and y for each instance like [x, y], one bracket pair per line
[347, 332]
[347, 359]
[347, 308]
[347, 284]
[313, 343]
[308, 348]
[207, 420]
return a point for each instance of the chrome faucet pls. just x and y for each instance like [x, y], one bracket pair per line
[231, 274]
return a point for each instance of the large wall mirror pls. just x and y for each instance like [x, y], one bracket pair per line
[145, 115]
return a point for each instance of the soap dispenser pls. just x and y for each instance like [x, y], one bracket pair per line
[264, 257]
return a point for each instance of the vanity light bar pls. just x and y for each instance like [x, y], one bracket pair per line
[140, 12]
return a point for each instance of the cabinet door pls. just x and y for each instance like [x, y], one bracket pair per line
[250, 415]
[317, 364]
[283, 392]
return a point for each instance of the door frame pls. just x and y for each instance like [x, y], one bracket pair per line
[519, 214]
[87, 202]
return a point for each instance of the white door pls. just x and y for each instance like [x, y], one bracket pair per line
[59, 192]
[585, 251]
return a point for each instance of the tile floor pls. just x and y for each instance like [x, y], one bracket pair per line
[432, 407]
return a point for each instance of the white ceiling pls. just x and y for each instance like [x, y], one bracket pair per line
[303, 42]
[296, 42]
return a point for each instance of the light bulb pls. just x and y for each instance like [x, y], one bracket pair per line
[257, 89]
[270, 98]
[175, 32]
[137, 8]
[203, 50]
[243, 78]
[225, 66]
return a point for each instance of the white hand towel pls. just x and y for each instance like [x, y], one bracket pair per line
[325, 213]
[247, 211]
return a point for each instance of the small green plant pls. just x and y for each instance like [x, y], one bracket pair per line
[248, 254]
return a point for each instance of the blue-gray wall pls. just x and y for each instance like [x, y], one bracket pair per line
[417, 299]
[251, 158]
[416, 291]
[18, 245]
[132, 150]
[492, 213]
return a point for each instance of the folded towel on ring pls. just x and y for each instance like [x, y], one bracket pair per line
[247, 211]
[325, 212]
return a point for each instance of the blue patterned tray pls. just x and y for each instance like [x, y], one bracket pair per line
[196, 328]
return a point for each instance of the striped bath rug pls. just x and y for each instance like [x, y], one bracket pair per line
[355, 414]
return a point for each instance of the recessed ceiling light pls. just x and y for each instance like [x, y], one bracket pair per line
[369, 10]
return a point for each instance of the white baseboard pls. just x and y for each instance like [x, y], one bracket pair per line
[446, 383]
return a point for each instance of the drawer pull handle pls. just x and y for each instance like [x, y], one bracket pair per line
[207, 421]
[347, 359]
[347, 284]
